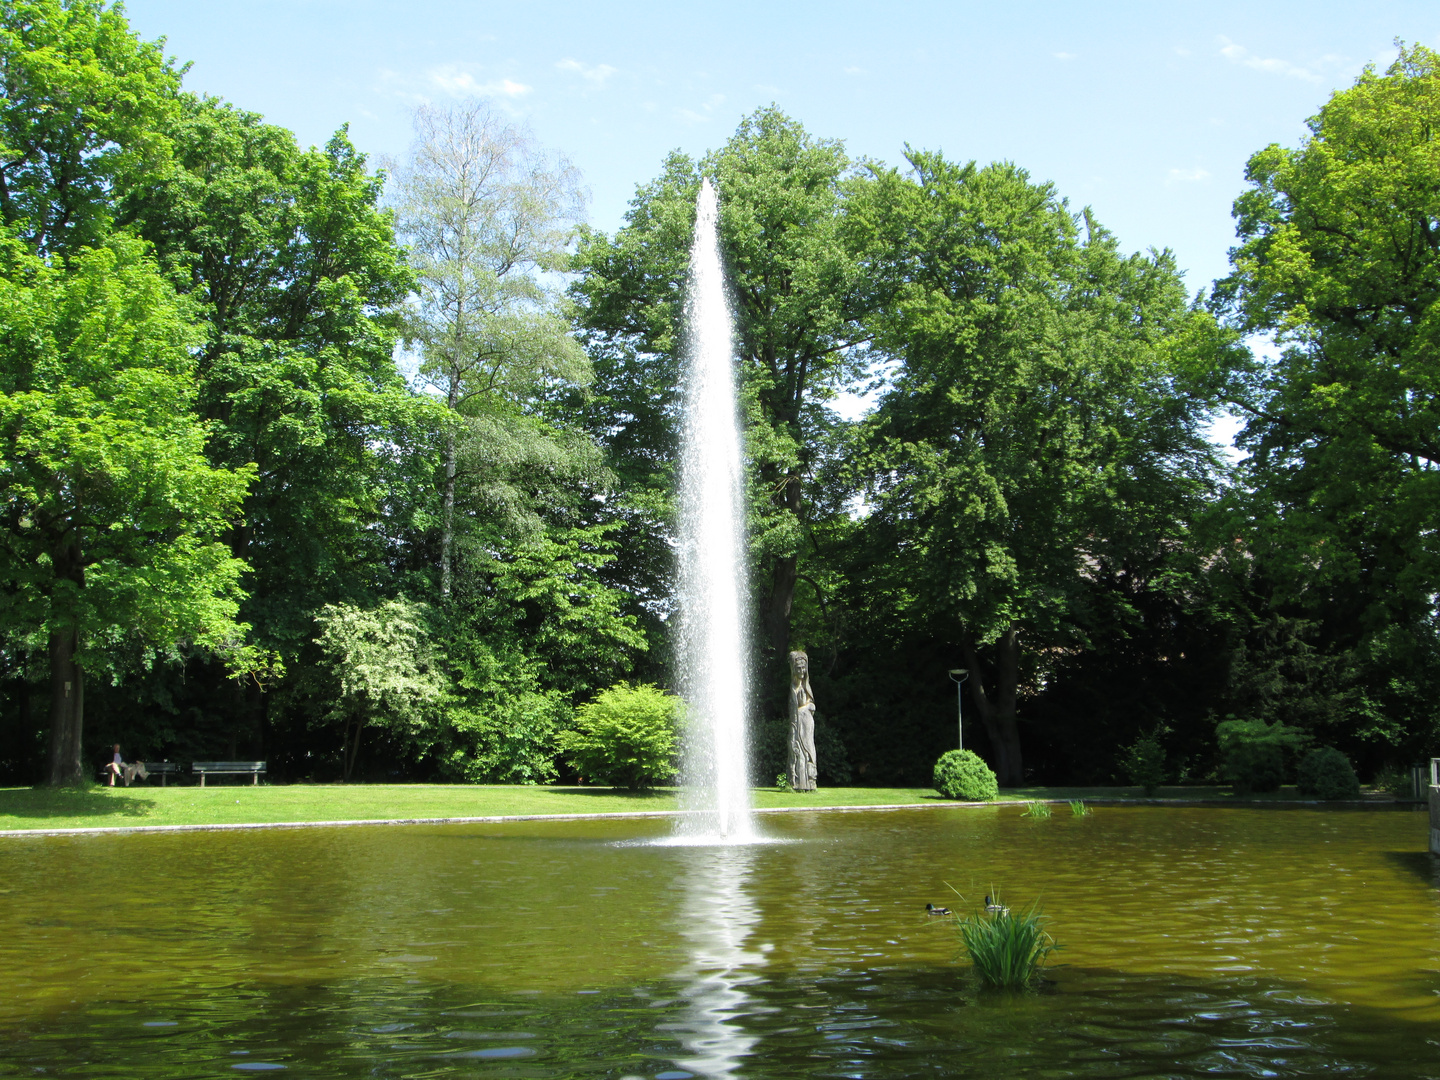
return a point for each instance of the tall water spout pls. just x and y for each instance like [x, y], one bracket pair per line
[714, 769]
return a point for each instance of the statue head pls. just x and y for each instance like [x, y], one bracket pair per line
[799, 667]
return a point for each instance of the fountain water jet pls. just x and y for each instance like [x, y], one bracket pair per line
[715, 764]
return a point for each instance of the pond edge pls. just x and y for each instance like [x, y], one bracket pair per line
[620, 815]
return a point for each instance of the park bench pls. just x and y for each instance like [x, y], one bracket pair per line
[229, 768]
[152, 768]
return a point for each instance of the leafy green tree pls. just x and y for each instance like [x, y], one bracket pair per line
[1339, 263]
[1038, 437]
[112, 512]
[295, 268]
[628, 736]
[83, 104]
[798, 296]
[383, 666]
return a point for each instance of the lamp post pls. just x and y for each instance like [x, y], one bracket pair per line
[958, 677]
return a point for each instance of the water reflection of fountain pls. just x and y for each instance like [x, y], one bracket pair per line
[719, 917]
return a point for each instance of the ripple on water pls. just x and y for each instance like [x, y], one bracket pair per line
[1197, 943]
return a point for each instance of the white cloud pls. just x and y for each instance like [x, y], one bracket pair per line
[1187, 176]
[596, 74]
[1181, 51]
[1238, 54]
[691, 116]
[1064, 55]
[459, 83]
[855, 71]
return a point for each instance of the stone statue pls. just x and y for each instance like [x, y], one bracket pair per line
[802, 724]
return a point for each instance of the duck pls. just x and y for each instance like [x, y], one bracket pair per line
[994, 907]
[931, 909]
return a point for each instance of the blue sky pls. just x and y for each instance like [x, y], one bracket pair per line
[1144, 111]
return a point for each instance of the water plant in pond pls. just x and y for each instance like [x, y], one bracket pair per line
[1007, 949]
[1079, 809]
[1037, 810]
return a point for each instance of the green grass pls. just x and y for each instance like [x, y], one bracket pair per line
[1037, 810]
[229, 803]
[101, 806]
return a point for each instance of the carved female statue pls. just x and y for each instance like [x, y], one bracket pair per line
[802, 724]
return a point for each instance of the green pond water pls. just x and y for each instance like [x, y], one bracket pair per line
[1197, 942]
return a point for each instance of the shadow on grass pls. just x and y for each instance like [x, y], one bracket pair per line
[612, 793]
[94, 801]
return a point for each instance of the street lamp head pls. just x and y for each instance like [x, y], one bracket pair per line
[959, 671]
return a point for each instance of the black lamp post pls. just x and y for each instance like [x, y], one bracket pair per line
[958, 677]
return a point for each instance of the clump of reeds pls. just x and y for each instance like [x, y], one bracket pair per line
[1007, 949]
[1037, 810]
[1078, 808]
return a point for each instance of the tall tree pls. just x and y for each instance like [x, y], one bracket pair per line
[488, 217]
[798, 297]
[1339, 263]
[111, 511]
[1037, 436]
[294, 266]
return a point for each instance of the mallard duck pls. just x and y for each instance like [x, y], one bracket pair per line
[931, 909]
[994, 907]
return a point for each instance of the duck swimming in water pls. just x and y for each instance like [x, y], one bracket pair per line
[994, 907]
[931, 909]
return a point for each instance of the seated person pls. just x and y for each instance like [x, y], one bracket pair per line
[112, 770]
[117, 767]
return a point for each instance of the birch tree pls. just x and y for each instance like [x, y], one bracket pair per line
[488, 215]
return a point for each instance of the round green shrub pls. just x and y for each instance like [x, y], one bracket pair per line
[627, 737]
[962, 774]
[1144, 761]
[1326, 773]
[1255, 767]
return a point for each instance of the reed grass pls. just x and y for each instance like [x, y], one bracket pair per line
[1037, 810]
[1008, 950]
[1079, 809]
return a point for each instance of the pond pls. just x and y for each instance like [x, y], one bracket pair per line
[1197, 942]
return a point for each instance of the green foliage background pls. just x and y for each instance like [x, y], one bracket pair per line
[227, 506]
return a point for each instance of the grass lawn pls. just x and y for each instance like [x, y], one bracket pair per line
[224, 804]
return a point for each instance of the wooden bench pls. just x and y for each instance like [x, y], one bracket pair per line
[162, 769]
[253, 769]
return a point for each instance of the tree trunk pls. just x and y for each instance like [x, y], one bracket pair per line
[998, 713]
[67, 710]
[784, 575]
[782, 597]
[447, 516]
[351, 748]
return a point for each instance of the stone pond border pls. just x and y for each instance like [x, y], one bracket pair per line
[621, 815]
